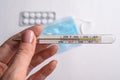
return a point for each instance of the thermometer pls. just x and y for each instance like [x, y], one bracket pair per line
[75, 39]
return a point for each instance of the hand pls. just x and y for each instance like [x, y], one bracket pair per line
[17, 59]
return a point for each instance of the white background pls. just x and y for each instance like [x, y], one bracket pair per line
[87, 62]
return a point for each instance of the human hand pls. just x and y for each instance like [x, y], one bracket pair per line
[18, 59]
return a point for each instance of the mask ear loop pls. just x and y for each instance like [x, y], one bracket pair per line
[82, 24]
[85, 27]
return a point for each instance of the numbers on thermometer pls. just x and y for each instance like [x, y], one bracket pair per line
[79, 39]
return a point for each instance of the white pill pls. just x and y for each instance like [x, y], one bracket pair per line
[32, 21]
[51, 15]
[44, 15]
[44, 21]
[50, 20]
[26, 14]
[38, 21]
[32, 14]
[38, 15]
[26, 21]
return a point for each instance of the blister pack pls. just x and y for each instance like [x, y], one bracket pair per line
[28, 18]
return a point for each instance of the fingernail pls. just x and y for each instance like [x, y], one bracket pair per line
[28, 36]
[54, 62]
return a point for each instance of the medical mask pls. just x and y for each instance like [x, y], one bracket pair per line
[61, 27]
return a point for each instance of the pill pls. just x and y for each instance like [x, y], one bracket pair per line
[50, 20]
[51, 15]
[38, 21]
[32, 15]
[26, 14]
[44, 21]
[32, 21]
[26, 21]
[44, 15]
[38, 15]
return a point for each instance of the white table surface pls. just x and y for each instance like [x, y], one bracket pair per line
[86, 62]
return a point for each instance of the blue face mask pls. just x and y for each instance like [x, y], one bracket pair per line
[63, 26]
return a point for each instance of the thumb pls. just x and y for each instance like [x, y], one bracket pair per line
[23, 57]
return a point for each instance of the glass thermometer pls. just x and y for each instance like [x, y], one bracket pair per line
[75, 39]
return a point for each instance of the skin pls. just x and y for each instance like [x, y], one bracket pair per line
[17, 59]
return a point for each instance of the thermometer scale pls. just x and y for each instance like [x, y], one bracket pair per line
[75, 39]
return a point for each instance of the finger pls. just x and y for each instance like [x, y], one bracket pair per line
[44, 72]
[43, 55]
[3, 68]
[10, 47]
[23, 56]
[40, 47]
